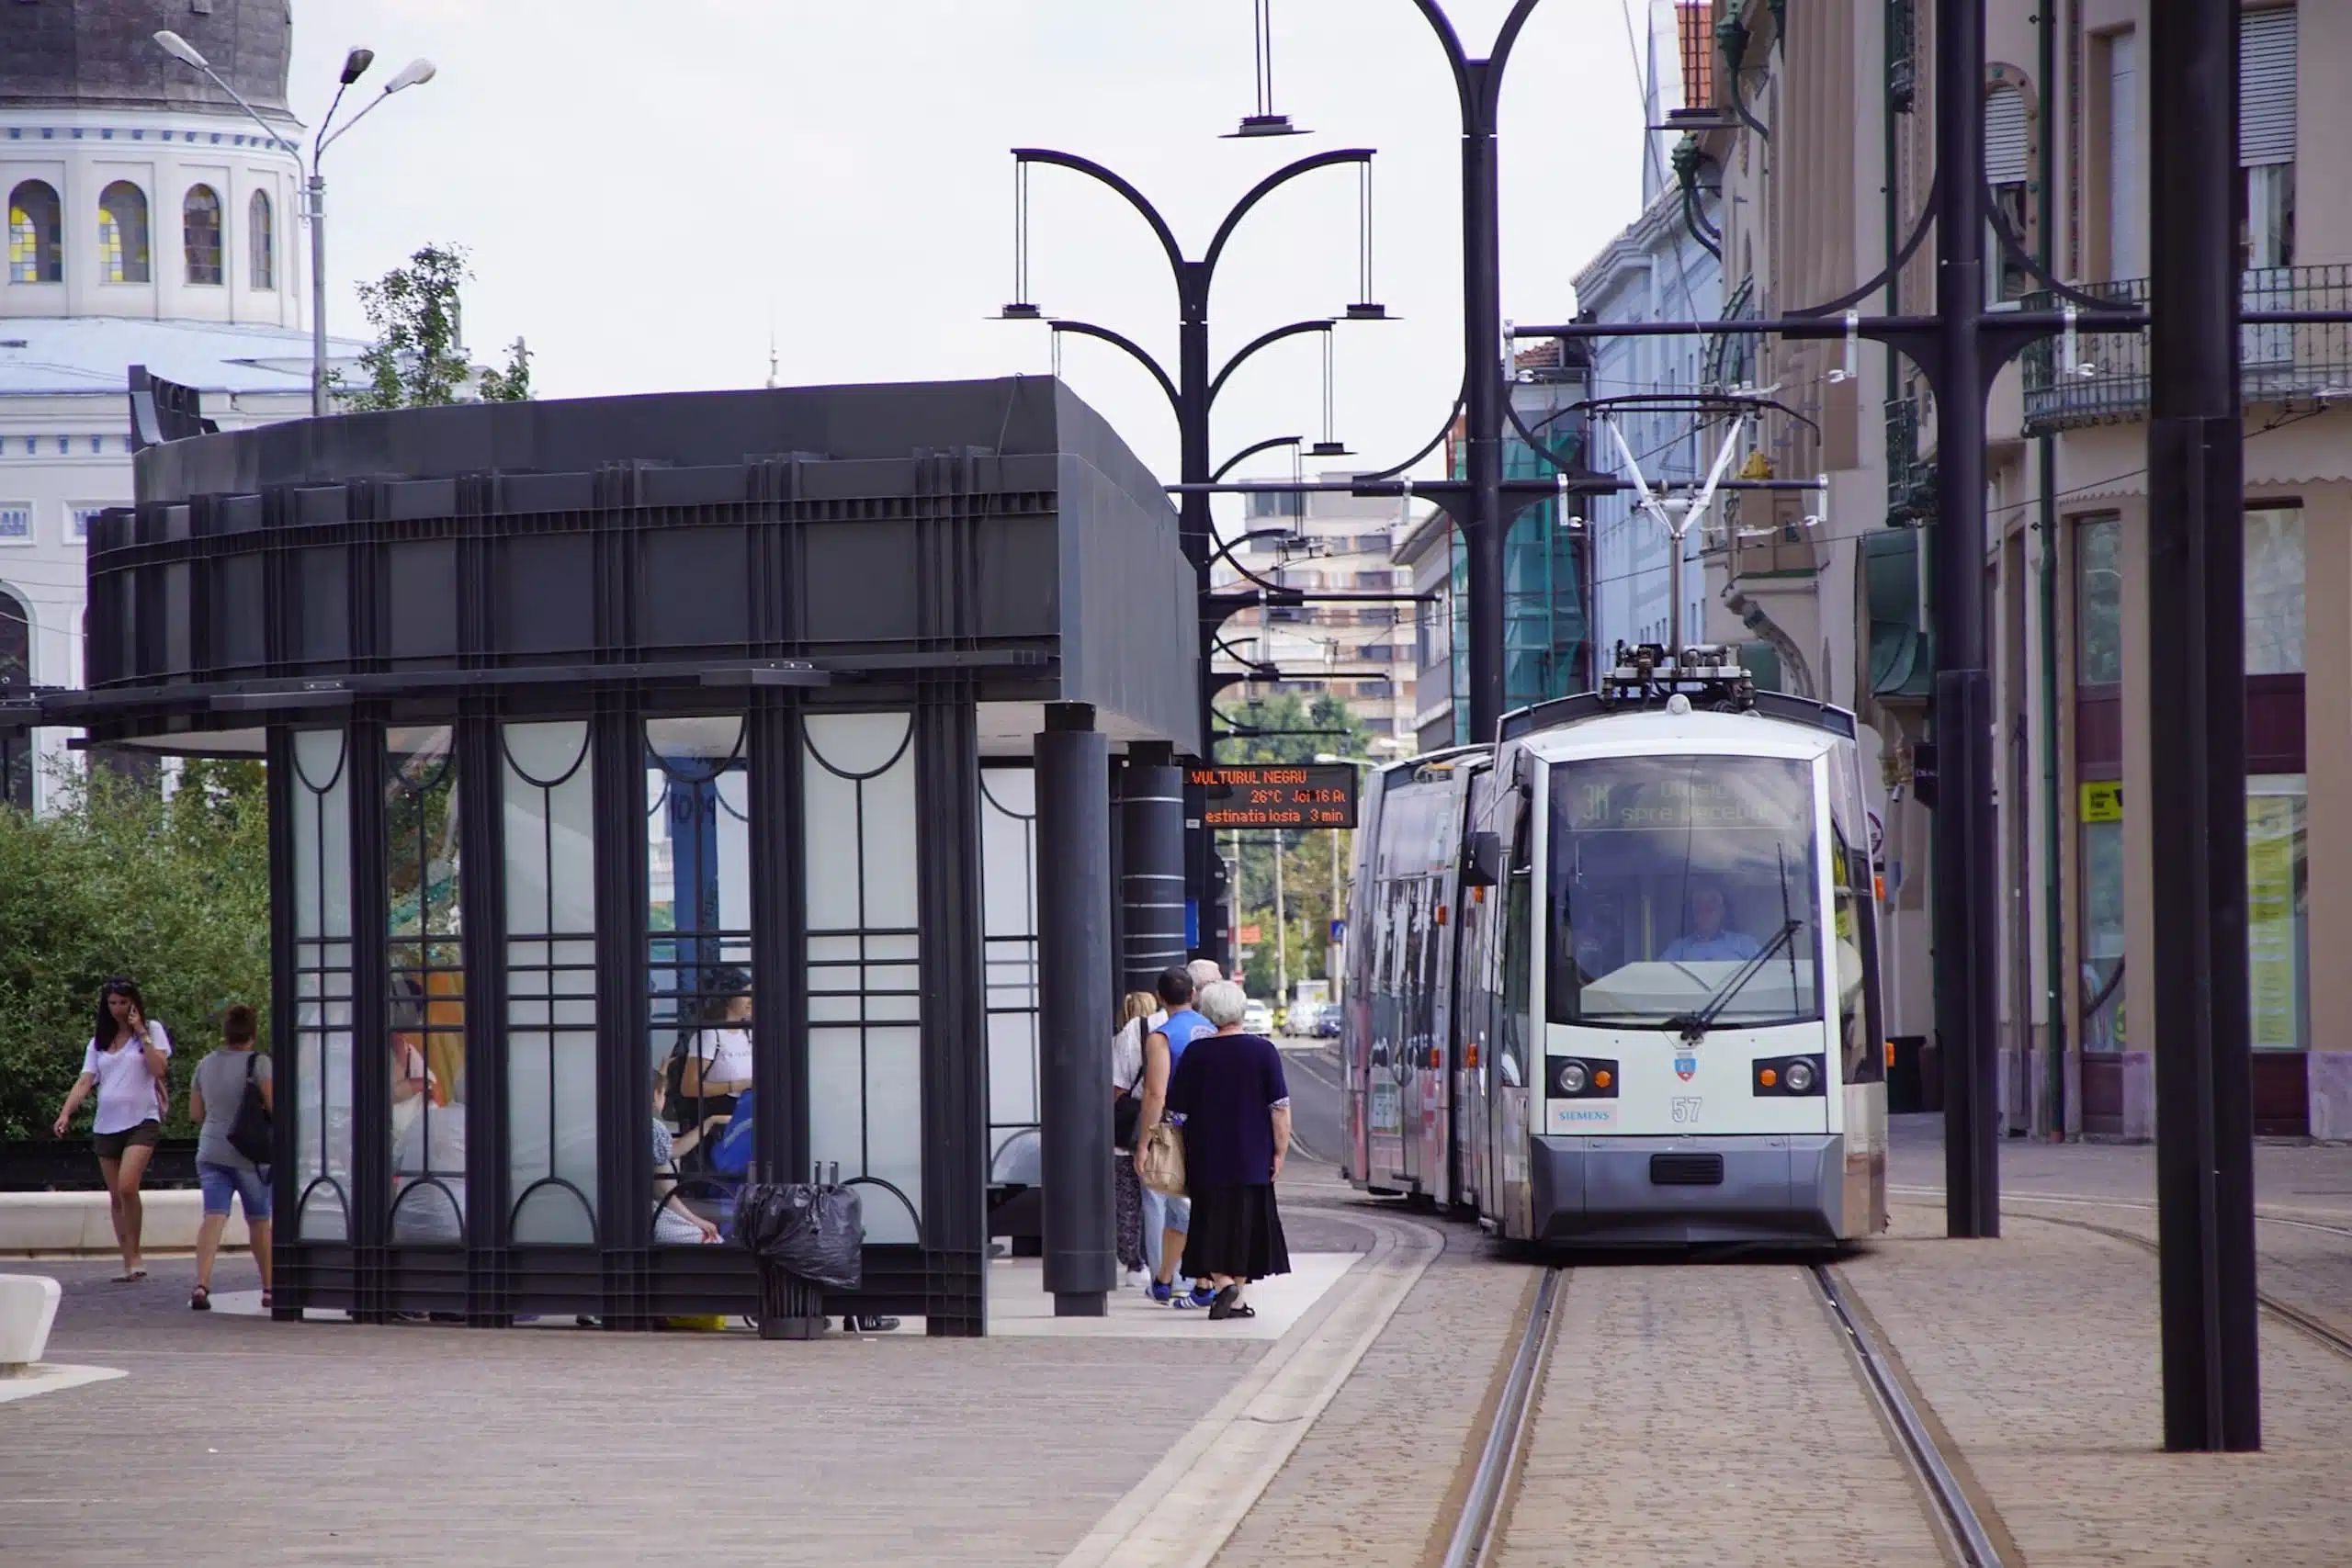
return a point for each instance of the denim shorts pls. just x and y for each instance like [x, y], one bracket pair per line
[221, 1182]
[1177, 1213]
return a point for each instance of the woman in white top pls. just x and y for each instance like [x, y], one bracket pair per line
[719, 1063]
[128, 1055]
[1127, 1083]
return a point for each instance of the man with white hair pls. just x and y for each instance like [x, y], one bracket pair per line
[1204, 973]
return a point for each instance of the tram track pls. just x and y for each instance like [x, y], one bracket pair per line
[1477, 1536]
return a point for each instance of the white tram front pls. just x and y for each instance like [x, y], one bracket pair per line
[1614, 981]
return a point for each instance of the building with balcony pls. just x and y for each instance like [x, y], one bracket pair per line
[1822, 140]
[1359, 650]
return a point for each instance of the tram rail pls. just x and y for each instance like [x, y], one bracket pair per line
[1478, 1530]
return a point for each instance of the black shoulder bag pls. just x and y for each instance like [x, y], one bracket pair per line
[249, 1134]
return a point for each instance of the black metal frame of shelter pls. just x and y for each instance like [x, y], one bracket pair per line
[913, 550]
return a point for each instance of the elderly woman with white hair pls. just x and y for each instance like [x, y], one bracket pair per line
[1230, 1090]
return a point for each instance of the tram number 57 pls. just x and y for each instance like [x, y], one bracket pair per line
[1686, 1109]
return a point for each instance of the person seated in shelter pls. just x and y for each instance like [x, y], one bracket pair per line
[1708, 937]
[710, 1069]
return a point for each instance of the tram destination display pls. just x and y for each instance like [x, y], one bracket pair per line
[1276, 794]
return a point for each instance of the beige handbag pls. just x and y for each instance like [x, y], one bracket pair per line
[1163, 1156]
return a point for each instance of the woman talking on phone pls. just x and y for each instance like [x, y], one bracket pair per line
[128, 1055]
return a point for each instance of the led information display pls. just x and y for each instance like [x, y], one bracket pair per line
[1276, 794]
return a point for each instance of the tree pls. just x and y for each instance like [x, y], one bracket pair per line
[117, 880]
[419, 359]
[1306, 853]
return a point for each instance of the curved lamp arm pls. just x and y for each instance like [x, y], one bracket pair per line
[1263, 340]
[1135, 199]
[1267, 185]
[1230, 545]
[1135, 351]
[1479, 91]
[1251, 451]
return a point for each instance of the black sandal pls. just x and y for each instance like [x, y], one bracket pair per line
[199, 1300]
[1228, 1305]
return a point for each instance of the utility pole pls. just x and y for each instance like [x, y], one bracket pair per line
[2197, 736]
[1331, 951]
[1282, 928]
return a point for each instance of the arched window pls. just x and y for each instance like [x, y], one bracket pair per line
[261, 242]
[122, 233]
[201, 234]
[36, 235]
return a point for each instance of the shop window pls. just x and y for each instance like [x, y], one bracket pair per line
[2098, 602]
[36, 234]
[2274, 591]
[865, 961]
[319, 800]
[428, 985]
[698, 926]
[549, 787]
[2278, 914]
[122, 233]
[2102, 913]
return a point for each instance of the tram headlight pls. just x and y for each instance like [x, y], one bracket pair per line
[1573, 1078]
[1799, 1077]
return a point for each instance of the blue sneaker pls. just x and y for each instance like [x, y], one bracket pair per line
[1163, 1294]
[1201, 1296]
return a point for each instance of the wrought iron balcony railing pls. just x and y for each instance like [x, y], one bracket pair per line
[2108, 383]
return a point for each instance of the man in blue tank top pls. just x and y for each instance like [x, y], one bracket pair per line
[1162, 1049]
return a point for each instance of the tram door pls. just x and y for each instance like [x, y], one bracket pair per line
[1429, 1113]
[1477, 1071]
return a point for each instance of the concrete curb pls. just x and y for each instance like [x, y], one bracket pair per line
[1182, 1513]
[79, 1224]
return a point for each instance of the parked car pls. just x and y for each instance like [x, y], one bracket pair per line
[1326, 1026]
[1257, 1019]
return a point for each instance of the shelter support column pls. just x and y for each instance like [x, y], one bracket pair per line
[2327, 749]
[1151, 872]
[1074, 971]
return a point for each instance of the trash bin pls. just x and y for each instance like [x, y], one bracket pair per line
[806, 1237]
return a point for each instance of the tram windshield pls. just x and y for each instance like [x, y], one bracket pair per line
[1683, 891]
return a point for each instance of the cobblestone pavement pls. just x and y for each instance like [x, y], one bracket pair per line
[1697, 1413]
[236, 1440]
[2037, 1353]
[1368, 1485]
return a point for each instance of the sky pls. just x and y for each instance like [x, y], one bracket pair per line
[648, 190]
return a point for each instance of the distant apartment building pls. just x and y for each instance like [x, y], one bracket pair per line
[1360, 650]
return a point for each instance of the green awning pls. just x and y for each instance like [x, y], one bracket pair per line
[1902, 654]
[1762, 662]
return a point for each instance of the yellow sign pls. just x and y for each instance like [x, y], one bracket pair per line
[2103, 801]
[2271, 834]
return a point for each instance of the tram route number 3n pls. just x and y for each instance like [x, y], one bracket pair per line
[1276, 794]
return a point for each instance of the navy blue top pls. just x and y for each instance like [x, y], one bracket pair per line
[1225, 1088]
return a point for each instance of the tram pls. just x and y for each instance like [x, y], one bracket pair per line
[1613, 978]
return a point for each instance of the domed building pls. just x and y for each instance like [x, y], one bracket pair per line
[150, 222]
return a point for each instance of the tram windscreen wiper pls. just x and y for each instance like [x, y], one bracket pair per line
[1694, 1025]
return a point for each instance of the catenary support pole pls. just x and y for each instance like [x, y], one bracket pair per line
[316, 191]
[2197, 738]
[1073, 1029]
[1482, 347]
[1151, 872]
[1966, 885]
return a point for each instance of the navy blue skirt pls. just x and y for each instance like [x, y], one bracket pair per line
[1236, 1230]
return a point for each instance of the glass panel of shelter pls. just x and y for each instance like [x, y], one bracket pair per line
[321, 1126]
[1009, 936]
[698, 956]
[548, 791]
[426, 989]
[864, 961]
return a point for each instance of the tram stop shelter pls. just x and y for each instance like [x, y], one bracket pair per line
[593, 727]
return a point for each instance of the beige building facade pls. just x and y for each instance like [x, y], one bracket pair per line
[1825, 161]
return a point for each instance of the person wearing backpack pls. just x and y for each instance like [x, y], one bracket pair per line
[233, 1101]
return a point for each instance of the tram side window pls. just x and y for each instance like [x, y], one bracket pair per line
[1849, 878]
[1519, 914]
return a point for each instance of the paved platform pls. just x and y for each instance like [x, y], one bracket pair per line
[1691, 1415]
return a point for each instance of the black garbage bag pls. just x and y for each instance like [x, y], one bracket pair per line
[813, 1233]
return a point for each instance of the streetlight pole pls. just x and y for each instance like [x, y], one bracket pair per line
[314, 185]
[1191, 396]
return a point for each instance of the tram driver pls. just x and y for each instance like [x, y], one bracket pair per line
[1708, 937]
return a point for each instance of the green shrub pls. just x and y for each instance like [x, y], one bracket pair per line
[119, 881]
